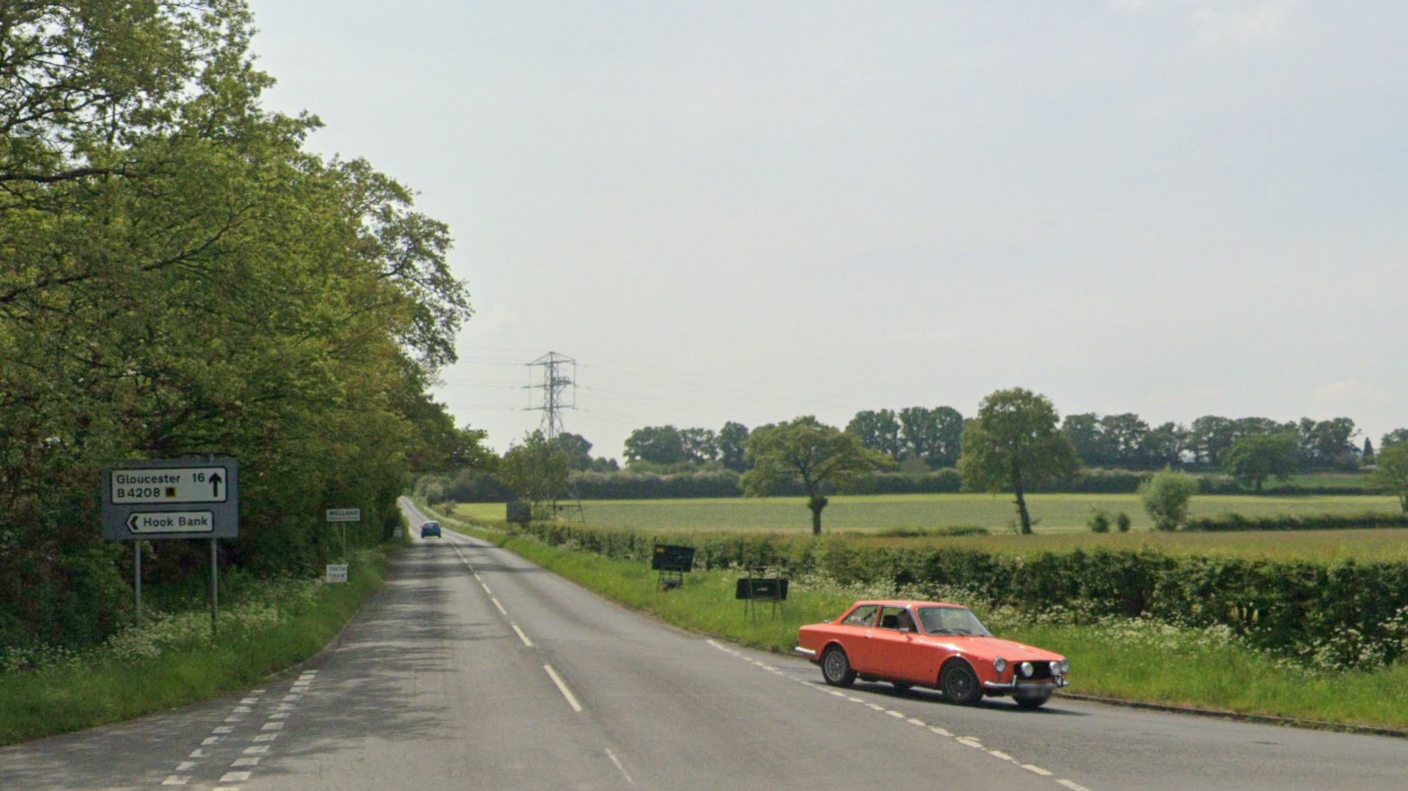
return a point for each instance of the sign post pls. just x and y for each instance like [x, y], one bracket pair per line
[341, 516]
[158, 499]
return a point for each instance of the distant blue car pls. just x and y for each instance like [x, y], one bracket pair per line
[430, 529]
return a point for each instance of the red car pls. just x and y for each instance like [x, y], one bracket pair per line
[930, 644]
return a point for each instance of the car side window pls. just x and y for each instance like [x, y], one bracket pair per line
[863, 616]
[896, 618]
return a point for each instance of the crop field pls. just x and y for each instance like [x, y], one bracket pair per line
[1061, 523]
[1053, 513]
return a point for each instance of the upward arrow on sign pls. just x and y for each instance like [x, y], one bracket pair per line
[215, 485]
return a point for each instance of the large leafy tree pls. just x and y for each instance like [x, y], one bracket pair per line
[656, 445]
[1392, 473]
[1013, 444]
[878, 430]
[178, 276]
[1256, 457]
[731, 441]
[535, 470]
[821, 456]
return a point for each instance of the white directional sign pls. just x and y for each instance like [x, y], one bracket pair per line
[172, 498]
[170, 485]
[344, 514]
[171, 522]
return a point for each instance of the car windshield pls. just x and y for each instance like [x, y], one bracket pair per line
[952, 621]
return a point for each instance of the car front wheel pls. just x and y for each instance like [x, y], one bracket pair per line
[960, 684]
[836, 667]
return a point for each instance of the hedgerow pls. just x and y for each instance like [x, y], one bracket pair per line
[1342, 614]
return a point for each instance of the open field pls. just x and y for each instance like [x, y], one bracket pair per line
[865, 514]
[1054, 513]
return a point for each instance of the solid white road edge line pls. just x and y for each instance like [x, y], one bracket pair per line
[616, 761]
[562, 687]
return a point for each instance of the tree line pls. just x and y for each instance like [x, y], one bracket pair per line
[179, 276]
[933, 436]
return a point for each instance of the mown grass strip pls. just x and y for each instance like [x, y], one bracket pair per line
[1136, 661]
[82, 694]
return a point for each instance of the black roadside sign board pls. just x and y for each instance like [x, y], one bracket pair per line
[672, 558]
[147, 500]
[762, 589]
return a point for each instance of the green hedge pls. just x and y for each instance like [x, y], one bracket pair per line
[1344, 615]
[1227, 523]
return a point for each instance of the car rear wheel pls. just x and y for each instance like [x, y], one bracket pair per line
[960, 684]
[1032, 702]
[836, 667]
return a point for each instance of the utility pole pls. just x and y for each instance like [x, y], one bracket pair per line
[559, 393]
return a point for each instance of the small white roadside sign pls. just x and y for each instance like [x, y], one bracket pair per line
[337, 573]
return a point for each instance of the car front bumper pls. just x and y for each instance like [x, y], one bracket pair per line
[806, 652]
[1016, 686]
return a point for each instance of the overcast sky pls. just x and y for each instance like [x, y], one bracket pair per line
[752, 211]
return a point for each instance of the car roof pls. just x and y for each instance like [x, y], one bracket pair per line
[907, 603]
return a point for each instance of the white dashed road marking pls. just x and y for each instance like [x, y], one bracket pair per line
[562, 687]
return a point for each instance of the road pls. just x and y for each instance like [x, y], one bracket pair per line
[474, 669]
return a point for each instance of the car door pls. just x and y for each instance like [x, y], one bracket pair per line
[855, 633]
[900, 653]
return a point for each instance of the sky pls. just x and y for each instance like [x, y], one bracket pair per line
[744, 211]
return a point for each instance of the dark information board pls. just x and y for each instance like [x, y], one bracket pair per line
[762, 589]
[672, 558]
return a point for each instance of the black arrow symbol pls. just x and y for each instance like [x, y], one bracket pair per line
[215, 485]
[132, 522]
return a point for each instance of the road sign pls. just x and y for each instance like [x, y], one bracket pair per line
[149, 500]
[171, 522]
[337, 573]
[344, 514]
[178, 485]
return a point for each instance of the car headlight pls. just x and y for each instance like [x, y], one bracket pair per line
[1065, 667]
[1026, 668]
[1055, 668]
[1000, 665]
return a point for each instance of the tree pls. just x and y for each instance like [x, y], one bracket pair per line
[1013, 445]
[576, 450]
[1087, 437]
[1209, 437]
[1327, 444]
[700, 445]
[1392, 473]
[1398, 436]
[535, 470]
[1165, 445]
[731, 440]
[1367, 456]
[878, 430]
[1256, 457]
[820, 455]
[1166, 496]
[655, 444]
[1127, 437]
[933, 435]
[178, 276]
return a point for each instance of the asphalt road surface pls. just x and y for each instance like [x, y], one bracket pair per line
[474, 669]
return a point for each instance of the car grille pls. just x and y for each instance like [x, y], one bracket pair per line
[1040, 670]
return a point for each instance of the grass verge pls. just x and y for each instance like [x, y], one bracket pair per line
[1132, 660]
[172, 661]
